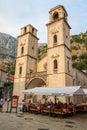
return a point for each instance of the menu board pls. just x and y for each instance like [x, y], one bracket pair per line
[14, 102]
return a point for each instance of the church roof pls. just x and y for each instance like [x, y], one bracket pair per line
[58, 6]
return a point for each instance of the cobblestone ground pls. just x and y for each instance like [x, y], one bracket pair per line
[27, 121]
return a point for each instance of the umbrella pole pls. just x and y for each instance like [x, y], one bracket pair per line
[55, 98]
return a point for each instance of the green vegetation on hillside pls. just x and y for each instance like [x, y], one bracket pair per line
[82, 65]
[8, 67]
[81, 38]
[79, 51]
[42, 51]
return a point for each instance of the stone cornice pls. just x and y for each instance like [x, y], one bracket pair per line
[28, 33]
[28, 56]
[60, 45]
[59, 20]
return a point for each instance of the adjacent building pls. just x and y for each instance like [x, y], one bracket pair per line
[6, 84]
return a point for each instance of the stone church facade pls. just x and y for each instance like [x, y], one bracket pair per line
[55, 69]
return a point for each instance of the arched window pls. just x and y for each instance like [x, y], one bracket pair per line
[22, 50]
[55, 39]
[55, 64]
[32, 30]
[20, 70]
[25, 29]
[55, 15]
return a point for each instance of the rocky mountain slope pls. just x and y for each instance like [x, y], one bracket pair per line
[8, 46]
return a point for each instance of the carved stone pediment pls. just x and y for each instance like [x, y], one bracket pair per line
[22, 44]
[55, 56]
[55, 30]
[21, 63]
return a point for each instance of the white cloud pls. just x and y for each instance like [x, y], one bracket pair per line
[7, 27]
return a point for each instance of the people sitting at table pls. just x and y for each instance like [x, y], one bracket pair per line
[58, 104]
[72, 108]
[46, 103]
[38, 106]
[29, 104]
[65, 108]
[26, 105]
[51, 104]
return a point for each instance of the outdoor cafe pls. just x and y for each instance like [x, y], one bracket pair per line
[55, 100]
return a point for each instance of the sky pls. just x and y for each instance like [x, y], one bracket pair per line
[15, 14]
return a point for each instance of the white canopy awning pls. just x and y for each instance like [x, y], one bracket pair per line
[85, 91]
[56, 91]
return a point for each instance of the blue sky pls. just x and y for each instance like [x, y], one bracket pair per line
[15, 14]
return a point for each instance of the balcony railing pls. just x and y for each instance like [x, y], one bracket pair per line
[37, 74]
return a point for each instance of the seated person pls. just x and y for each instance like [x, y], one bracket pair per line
[38, 106]
[58, 105]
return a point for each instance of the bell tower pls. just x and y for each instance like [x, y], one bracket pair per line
[59, 65]
[26, 60]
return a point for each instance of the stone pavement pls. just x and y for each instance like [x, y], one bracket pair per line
[27, 121]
